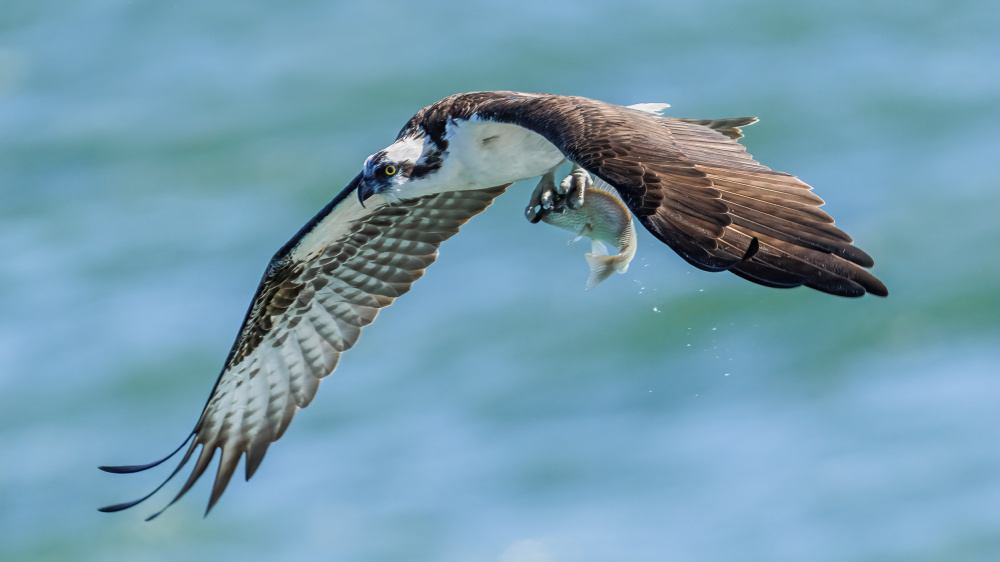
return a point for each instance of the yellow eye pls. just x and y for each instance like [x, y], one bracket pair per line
[390, 170]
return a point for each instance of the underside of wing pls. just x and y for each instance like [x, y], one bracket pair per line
[310, 307]
[695, 188]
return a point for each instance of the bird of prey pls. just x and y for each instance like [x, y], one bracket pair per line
[687, 181]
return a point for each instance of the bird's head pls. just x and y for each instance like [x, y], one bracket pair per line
[396, 172]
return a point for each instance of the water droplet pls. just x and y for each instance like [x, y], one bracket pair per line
[656, 309]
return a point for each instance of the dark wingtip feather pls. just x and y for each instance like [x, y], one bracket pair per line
[132, 468]
[124, 505]
[876, 287]
[856, 255]
[129, 469]
[200, 465]
[116, 470]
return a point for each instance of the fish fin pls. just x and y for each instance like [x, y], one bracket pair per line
[585, 230]
[601, 185]
[599, 248]
[601, 267]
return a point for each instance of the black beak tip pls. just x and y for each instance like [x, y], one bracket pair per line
[363, 189]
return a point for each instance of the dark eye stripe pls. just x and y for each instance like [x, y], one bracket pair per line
[428, 164]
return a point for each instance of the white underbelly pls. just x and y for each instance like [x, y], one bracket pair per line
[492, 154]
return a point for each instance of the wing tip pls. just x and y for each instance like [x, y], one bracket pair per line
[133, 468]
[876, 287]
[129, 469]
[120, 506]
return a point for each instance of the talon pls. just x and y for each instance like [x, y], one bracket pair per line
[574, 194]
[574, 185]
[541, 198]
[551, 198]
[577, 201]
[536, 195]
[533, 213]
[547, 200]
[566, 185]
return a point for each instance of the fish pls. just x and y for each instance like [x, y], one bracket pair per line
[604, 219]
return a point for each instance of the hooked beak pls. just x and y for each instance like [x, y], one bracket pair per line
[364, 189]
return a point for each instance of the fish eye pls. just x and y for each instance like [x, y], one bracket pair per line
[390, 170]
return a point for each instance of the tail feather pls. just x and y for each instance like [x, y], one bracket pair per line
[729, 127]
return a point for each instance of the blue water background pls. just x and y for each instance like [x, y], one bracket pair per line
[153, 155]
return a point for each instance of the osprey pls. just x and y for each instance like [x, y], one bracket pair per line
[687, 181]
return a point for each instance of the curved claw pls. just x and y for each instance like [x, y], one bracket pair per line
[574, 185]
[551, 198]
[541, 197]
[533, 213]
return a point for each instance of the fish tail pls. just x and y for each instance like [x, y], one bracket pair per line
[601, 267]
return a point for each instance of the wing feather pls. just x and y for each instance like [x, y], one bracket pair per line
[692, 185]
[310, 307]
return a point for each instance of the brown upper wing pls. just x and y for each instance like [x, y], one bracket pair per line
[692, 186]
[305, 314]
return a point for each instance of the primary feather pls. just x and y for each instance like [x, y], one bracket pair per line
[305, 314]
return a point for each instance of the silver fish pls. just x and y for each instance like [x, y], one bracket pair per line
[603, 218]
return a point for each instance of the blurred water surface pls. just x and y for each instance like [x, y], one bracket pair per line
[154, 155]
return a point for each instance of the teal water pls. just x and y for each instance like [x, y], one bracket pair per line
[154, 155]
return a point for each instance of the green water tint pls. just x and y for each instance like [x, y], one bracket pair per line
[153, 157]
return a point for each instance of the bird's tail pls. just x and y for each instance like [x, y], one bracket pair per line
[731, 127]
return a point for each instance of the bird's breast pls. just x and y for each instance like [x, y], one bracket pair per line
[492, 153]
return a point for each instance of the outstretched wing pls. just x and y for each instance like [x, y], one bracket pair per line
[318, 292]
[691, 185]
